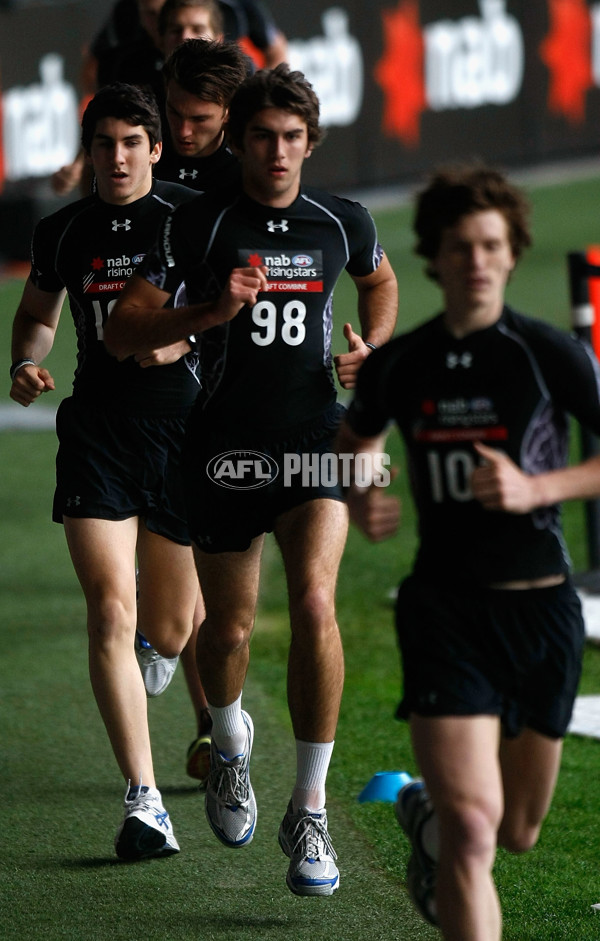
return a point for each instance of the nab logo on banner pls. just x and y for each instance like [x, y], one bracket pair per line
[242, 470]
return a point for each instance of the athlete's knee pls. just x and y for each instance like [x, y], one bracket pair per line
[312, 610]
[169, 647]
[518, 835]
[469, 829]
[168, 637]
[226, 635]
[110, 622]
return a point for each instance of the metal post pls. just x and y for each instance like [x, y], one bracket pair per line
[582, 320]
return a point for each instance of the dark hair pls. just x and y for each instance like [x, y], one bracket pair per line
[207, 68]
[129, 103]
[274, 88]
[458, 190]
[170, 6]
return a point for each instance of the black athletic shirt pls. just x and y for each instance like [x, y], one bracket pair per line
[219, 171]
[510, 386]
[90, 247]
[270, 368]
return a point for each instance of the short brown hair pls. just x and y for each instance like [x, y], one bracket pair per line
[458, 190]
[274, 88]
[210, 69]
[137, 106]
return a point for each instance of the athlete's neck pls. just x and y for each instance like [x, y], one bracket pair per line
[267, 198]
[460, 323]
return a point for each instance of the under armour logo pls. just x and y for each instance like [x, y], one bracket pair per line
[121, 225]
[283, 225]
[459, 359]
[73, 501]
[191, 173]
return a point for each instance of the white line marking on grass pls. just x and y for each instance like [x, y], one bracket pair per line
[36, 418]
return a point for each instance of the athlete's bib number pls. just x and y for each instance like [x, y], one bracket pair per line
[293, 331]
[450, 475]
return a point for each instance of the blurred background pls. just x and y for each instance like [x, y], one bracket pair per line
[403, 85]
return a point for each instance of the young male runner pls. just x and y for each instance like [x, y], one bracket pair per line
[200, 77]
[182, 20]
[120, 434]
[489, 624]
[261, 269]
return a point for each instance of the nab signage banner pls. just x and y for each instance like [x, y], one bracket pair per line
[403, 84]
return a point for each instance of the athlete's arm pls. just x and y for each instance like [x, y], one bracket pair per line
[33, 331]
[139, 322]
[373, 511]
[164, 355]
[499, 484]
[377, 313]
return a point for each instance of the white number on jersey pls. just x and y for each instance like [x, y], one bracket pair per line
[450, 475]
[293, 331]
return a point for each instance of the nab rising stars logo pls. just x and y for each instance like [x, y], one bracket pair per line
[283, 226]
[121, 225]
[287, 272]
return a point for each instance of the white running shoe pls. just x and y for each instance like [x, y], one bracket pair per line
[230, 804]
[157, 671]
[304, 838]
[146, 830]
[413, 809]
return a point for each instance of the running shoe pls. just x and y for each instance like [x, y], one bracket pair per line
[303, 837]
[157, 671]
[198, 759]
[146, 830]
[413, 809]
[230, 804]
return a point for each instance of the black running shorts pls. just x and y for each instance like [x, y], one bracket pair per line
[237, 486]
[114, 466]
[514, 654]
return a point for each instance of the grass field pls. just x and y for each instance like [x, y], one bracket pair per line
[61, 788]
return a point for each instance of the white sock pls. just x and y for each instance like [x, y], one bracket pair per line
[312, 760]
[229, 729]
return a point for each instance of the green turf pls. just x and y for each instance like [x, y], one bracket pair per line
[60, 786]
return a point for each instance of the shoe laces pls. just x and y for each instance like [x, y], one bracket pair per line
[310, 838]
[150, 655]
[229, 780]
[143, 800]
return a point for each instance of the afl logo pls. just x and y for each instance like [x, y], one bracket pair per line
[138, 258]
[302, 261]
[242, 470]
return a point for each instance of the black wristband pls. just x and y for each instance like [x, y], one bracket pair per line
[18, 365]
[370, 345]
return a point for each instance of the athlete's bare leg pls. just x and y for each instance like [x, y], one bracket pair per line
[168, 591]
[229, 583]
[190, 669]
[103, 554]
[312, 539]
[458, 758]
[104, 557]
[530, 765]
